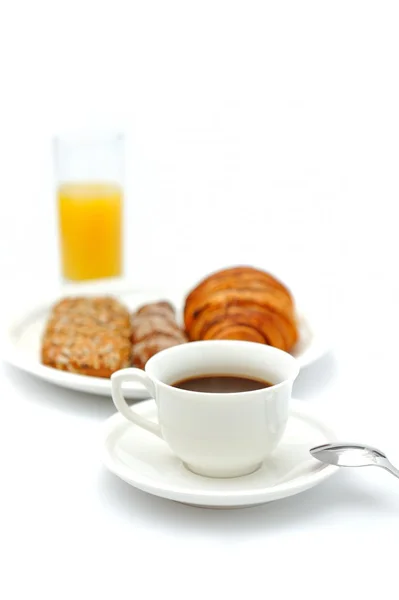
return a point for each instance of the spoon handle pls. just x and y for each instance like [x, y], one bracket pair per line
[389, 467]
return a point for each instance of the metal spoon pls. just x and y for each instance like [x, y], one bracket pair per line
[353, 455]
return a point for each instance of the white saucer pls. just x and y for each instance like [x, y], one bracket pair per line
[22, 340]
[145, 461]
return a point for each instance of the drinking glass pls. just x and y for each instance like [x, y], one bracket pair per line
[89, 175]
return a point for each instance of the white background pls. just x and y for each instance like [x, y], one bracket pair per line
[258, 132]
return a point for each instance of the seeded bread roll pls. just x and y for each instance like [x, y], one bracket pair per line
[154, 328]
[90, 336]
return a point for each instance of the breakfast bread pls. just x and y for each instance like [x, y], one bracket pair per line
[154, 328]
[242, 303]
[89, 336]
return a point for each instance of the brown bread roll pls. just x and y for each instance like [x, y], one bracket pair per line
[89, 336]
[154, 328]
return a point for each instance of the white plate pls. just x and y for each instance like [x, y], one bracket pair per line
[145, 462]
[23, 337]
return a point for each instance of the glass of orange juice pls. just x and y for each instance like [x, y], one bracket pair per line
[89, 172]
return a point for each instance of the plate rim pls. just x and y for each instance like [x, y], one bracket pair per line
[13, 356]
[210, 498]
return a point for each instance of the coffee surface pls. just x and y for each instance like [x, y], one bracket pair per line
[221, 384]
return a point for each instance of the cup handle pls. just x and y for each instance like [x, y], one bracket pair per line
[139, 376]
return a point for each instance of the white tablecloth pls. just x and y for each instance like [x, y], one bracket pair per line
[260, 133]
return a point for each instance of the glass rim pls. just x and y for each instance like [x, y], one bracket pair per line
[84, 137]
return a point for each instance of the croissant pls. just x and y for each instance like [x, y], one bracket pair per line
[242, 303]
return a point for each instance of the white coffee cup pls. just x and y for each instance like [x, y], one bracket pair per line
[216, 435]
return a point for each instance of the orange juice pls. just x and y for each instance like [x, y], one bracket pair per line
[90, 219]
